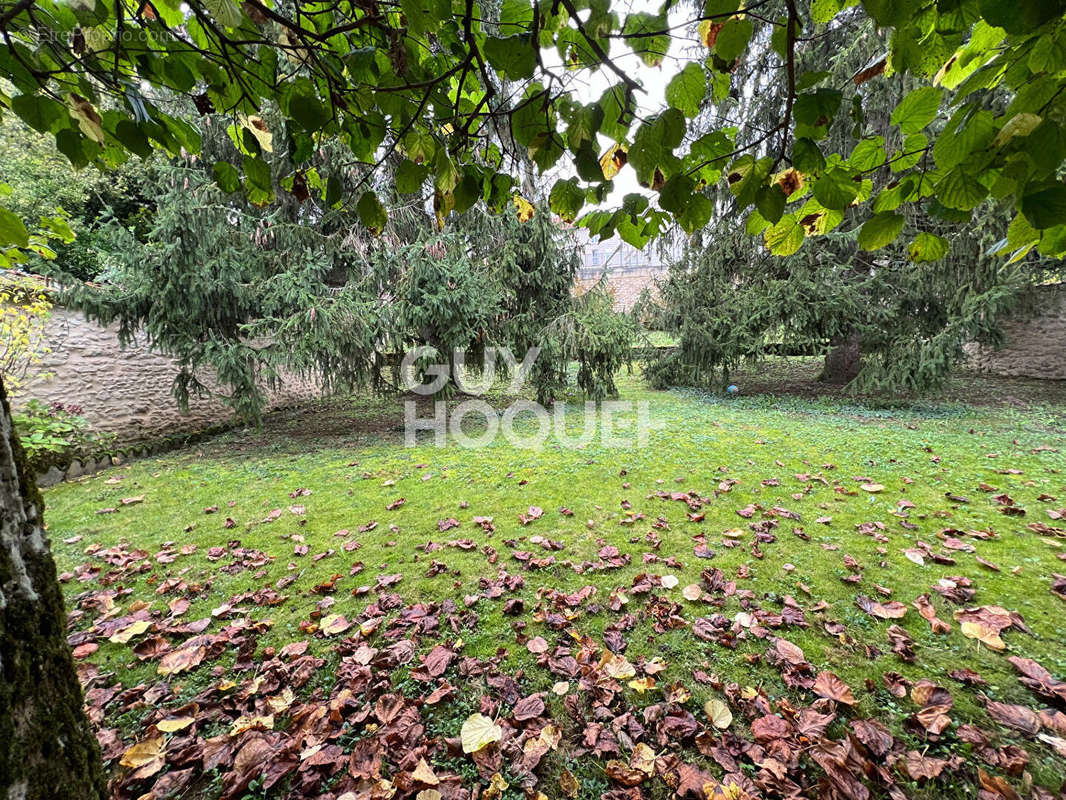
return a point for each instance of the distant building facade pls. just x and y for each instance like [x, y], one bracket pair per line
[628, 271]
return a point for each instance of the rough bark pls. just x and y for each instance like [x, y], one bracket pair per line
[47, 749]
[843, 361]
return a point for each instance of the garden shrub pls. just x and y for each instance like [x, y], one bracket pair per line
[54, 435]
[24, 310]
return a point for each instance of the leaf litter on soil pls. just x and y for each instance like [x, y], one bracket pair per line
[655, 650]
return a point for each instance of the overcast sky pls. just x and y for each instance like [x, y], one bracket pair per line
[590, 86]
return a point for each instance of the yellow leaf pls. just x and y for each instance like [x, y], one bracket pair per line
[613, 160]
[87, 116]
[551, 735]
[247, 723]
[368, 627]
[718, 713]
[423, 773]
[145, 752]
[677, 693]
[258, 128]
[708, 31]
[643, 759]
[985, 634]
[568, 783]
[290, 46]
[383, 789]
[1018, 125]
[497, 786]
[618, 667]
[334, 624]
[524, 207]
[790, 180]
[175, 724]
[131, 630]
[479, 732]
[443, 203]
[280, 702]
[718, 791]
[642, 685]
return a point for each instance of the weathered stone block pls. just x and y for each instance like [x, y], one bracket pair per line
[53, 476]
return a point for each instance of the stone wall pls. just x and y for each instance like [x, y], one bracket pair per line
[1035, 345]
[126, 391]
[626, 286]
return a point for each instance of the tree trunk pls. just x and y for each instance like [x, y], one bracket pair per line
[47, 750]
[844, 361]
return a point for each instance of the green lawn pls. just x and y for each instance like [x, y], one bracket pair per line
[273, 561]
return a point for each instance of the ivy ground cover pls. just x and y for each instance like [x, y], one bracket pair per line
[771, 599]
